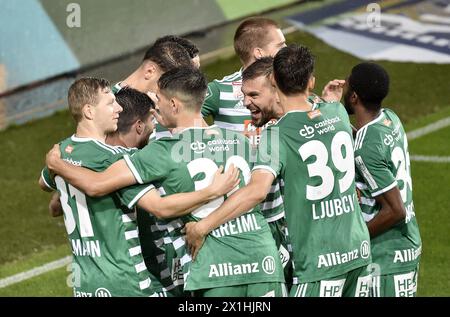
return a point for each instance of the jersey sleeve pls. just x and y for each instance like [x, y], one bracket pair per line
[372, 166]
[48, 180]
[211, 103]
[149, 164]
[129, 196]
[270, 155]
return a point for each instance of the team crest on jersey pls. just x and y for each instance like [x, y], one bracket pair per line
[68, 149]
[314, 114]
[237, 92]
[387, 122]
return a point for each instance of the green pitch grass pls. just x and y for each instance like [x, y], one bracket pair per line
[419, 94]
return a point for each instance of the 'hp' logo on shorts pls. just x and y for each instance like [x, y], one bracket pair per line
[102, 292]
[365, 249]
[268, 265]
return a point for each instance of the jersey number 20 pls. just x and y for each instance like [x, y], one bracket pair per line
[209, 168]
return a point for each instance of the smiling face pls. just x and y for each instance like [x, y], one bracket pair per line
[260, 98]
[106, 112]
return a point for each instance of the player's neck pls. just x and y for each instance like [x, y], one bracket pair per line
[244, 66]
[297, 102]
[86, 130]
[115, 139]
[135, 81]
[189, 120]
[364, 116]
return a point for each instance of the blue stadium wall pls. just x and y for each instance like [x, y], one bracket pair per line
[37, 44]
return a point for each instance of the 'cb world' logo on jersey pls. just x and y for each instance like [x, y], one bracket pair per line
[307, 131]
[198, 147]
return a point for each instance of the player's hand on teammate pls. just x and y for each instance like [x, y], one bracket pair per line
[157, 116]
[55, 207]
[332, 92]
[195, 237]
[52, 157]
[223, 183]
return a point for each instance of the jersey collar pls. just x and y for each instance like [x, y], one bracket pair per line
[381, 115]
[83, 139]
[197, 128]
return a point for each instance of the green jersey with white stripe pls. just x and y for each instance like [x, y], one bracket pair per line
[241, 251]
[225, 103]
[313, 152]
[272, 207]
[107, 259]
[382, 162]
[163, 248]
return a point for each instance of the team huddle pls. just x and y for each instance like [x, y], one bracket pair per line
[280, 196]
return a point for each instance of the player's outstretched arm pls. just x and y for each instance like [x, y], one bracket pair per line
[93, 184]
[237, 204]
[392, 212]
[180, 204]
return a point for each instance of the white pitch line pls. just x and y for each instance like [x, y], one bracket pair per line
[427, 158]
[428, 129]
[35, 272]
[424, 131]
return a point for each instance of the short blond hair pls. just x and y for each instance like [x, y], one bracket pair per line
[252, 33]
[84, 91]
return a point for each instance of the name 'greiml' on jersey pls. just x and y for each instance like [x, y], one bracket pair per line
[187, 162]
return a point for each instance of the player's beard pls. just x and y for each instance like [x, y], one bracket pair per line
[266, 116]
[347, 103]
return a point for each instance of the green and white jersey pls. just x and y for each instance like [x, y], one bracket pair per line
[241, 251]
[161, 132]
[163, 248]
[272, 207]
[313, 153]
[225, 103]
[382, 162]
[107, 257]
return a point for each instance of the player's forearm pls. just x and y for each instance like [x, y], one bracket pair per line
[180, 204]
[236, 205]
[392, 211]
[92, 183]
[383, 221]
[82, 178]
